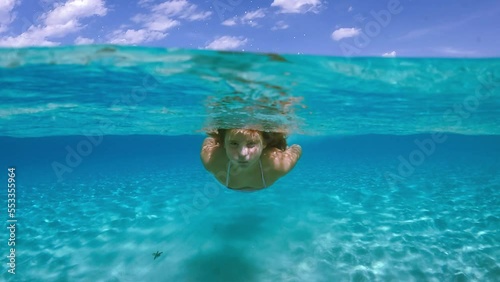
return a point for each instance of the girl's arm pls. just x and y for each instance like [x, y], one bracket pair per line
[284, 161]
[207, 151]
[290, 157]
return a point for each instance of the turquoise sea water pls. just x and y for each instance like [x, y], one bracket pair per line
[399, 179]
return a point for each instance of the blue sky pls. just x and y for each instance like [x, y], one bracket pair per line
[402, 28]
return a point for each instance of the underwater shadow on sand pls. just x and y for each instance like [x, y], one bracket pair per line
[227, 263]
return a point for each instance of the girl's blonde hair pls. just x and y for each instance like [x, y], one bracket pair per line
[272, 139]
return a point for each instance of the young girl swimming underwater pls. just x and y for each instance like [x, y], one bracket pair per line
[248, 159]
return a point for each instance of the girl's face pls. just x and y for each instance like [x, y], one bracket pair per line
[243, 149]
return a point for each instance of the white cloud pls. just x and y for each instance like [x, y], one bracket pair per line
[83, 40]
[389, 54]
[349, 9]
[230, 22]
[161, 18]
[345, 33]
[74, 9]
[227, 43]
[297, 6]
[6, 14]
[161, 24]
[59, 22]
[60, 30]
[136, 36]
[280, 25]
[181, 9]
[144, 3]
[456, 52]
[248, 18]
[416, 33]
[26, 39]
